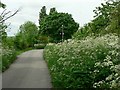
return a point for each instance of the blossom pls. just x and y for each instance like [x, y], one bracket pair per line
[96, 56]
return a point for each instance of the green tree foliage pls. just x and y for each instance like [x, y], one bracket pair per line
[3, 17]
[3, 34]
[42, 14]
[53, 25]
[52, 10]
[114, 24]
[27, 35]
[83, 31]
[107, 20]
[103, 16]
[2, 5]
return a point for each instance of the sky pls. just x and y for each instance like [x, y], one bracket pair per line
[81, 10]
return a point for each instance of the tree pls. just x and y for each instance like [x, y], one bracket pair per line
[102, 17]
[2, 5]
[27, 35]
[114, 24]
[57, 24]
[42, 14]
[3, 34]
[5, 15]
[107, 20]
[52, 10]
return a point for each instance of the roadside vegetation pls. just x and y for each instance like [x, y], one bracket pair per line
[9, 46]
[91, 58]
[31, 36]
[77, 57]
[91, 62]
[7, 52]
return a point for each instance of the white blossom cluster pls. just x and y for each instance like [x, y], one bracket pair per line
[6, 57]
[94, 55]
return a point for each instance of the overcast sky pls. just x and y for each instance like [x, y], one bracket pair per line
[81, 10]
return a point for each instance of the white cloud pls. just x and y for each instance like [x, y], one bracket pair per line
[81, 10]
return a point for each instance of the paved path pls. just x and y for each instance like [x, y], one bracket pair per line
[28, 71]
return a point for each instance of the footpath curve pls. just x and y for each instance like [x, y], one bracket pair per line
[28, 71]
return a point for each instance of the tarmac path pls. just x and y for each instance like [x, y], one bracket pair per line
[28, 71]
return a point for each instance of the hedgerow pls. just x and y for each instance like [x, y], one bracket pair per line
[8, 55]
[89, 63]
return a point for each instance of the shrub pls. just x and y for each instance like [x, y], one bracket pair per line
[88, 63]
[43, 39]
[39, 46]
[8, 56]
[0, 60]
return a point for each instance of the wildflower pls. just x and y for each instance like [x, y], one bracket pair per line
[109, 77]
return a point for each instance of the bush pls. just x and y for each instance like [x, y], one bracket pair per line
[0, 60]
[43, 39]
[39, 46]
[20, 42]
[8, 56]
[89, 63]
[9, 42]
